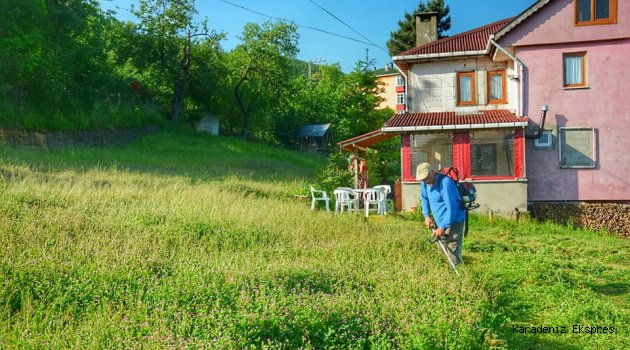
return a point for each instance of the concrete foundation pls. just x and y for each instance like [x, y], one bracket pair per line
[502, 197]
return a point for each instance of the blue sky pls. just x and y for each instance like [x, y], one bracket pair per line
[373, 19]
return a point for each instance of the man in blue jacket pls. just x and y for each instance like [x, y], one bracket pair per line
[440, 197]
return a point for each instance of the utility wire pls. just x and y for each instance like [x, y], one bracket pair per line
[346, 24]
[299, 25]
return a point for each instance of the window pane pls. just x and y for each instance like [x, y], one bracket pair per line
[602, 9]
[400, 98]
[483, 159]
[435, 149]
[492, 153]
[584, 10]
[496, 90]
[465, 93]
[573, 70]
[576, 148]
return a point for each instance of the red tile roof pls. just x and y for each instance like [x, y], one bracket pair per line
[452, 118]
[472, 40]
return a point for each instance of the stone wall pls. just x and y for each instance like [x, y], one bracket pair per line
[611, 217]
[432, 86]
[61, 139]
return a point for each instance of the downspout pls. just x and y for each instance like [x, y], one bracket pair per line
[520, 73]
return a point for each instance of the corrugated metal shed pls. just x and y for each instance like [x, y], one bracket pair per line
[314, 130]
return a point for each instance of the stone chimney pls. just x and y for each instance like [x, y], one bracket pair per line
[426, 28]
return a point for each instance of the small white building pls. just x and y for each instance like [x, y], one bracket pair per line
[209, 123]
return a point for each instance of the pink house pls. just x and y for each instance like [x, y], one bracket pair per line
[574, 57]
[475, 100]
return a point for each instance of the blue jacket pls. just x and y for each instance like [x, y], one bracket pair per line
[443, 200]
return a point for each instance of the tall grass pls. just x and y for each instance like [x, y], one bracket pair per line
[188, 241]
[104, 115]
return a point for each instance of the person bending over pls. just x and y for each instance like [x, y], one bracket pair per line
[440, 197]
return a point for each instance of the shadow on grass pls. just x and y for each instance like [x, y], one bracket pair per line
[611, 288]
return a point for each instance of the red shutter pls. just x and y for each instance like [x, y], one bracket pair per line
[519, 154]
[407, 172]
[461, 153]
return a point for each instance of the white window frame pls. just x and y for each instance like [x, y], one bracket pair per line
[593, 155]
[400, 98]
[545, 141]
[583, 67]
[399, 80]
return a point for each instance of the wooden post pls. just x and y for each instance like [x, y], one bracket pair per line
[516, 214]
[398, 195]
[355, 166]
[490, 215]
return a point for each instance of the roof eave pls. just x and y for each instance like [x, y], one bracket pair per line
[441, 55]
[403, 129]
[520, 18]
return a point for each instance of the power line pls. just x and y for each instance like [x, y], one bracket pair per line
[346, 24]
[299, 25]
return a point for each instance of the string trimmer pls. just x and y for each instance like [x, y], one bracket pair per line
[434, 238]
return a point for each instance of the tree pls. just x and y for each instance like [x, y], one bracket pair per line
[259, 67]
[52, 53]
[405, 37]
[170, 24]
[360, 97]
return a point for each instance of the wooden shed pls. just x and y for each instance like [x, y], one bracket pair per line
[316, 138]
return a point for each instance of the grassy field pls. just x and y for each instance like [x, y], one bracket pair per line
[187, 241]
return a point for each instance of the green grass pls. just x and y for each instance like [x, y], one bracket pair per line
[545, 274]
[187, 241]
[105, 115]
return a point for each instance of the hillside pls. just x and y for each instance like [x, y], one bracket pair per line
[181, 240]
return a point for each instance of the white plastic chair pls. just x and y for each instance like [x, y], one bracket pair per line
[343, 198]
[355, 197]
[374, 197]
[387, 189]
[319, 195]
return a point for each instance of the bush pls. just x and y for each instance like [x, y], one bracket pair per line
[335, 173]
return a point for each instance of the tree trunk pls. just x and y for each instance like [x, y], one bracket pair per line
[244, 111]
[181, 81]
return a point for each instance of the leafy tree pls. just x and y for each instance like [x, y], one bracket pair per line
[359, 101]
[165, 21]
[52, 54]
[207, 77]
[311, 101]
[405, 37]
[21, 47]
[259, 68]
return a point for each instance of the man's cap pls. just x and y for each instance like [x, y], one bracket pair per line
[423, 170]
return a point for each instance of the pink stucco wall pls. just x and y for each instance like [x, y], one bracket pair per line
[604, 105]
[555, 23]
